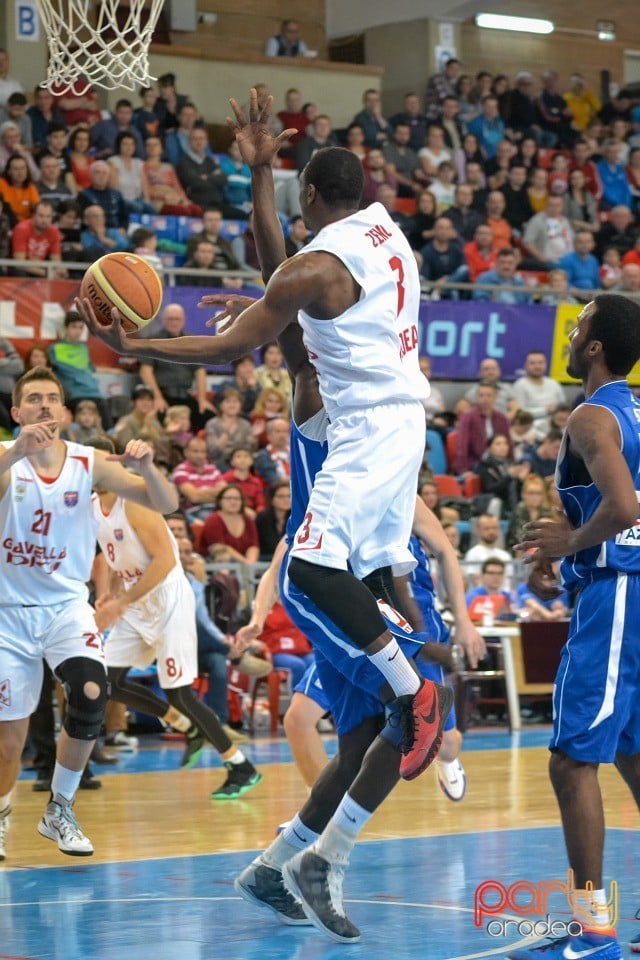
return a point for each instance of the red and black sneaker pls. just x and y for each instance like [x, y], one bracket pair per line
[422, 717]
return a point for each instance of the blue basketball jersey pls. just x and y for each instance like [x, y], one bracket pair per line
[306, 457]
[580, 497]
[422, 581]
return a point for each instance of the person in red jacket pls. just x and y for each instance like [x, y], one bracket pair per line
[289, 648]
[241, 460]
[477, 426]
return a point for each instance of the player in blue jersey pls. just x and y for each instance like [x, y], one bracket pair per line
[311, 701]
[596, 703]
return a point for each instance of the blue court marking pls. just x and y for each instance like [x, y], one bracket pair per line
[157, 755]
[412, 899]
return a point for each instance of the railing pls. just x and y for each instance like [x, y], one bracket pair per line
[51, 267]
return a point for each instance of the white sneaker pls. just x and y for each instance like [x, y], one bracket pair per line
[59, 824]
[4, 830]
[452, 779]
[121, 741]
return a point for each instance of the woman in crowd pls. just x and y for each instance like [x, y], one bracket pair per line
[538, 189]
[271, 373]
[468, 110]
[271, 403]
[470, 152]
[162, 186]
[80, 158]
[355, 141]
[532, 506]
[527, 155]
[423, 220]
[272, 521]
[580, 208]
[228, 429]
[17, 189]
[126, 174]
[36, 357]
[499, 475]
[230, 526]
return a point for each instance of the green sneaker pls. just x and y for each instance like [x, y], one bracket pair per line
[240, 778]
[193, 749]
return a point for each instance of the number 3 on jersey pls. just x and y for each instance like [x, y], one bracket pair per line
[396, 265]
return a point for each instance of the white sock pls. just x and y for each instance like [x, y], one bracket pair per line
[65, 782]
[335, 844]
[238, 757]
[350, 816]
[298, 835]
[395, 668]
[283, 848]
[5, 801]
[593, 908]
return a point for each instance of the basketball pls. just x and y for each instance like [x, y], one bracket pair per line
[124, 281]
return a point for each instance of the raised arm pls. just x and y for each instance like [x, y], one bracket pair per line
[149, 489]
[427, 528]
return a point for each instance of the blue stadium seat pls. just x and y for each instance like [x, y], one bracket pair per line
[436, 456]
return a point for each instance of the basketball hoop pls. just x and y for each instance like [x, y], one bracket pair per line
[111, 52]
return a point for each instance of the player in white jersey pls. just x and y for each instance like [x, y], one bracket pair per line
[355, 292]
[153, 617]
[46, 552]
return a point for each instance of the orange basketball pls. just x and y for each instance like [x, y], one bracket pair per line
[125, 281]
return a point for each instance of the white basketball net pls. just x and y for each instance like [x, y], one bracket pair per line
[99, 51]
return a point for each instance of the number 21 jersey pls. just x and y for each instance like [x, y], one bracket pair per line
[47, 532]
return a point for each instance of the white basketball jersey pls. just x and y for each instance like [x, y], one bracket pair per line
[369, 354]
[47, 532]
[121, 545]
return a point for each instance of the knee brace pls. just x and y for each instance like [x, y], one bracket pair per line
[83, 716]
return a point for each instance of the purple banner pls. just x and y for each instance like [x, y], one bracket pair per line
[457, 335]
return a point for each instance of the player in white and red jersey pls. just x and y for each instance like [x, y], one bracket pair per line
[153, 617]
[355, 291]
[47, 547]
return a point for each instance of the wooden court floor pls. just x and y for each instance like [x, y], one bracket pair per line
[159, 886]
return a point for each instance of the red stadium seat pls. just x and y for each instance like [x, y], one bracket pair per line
[406, 205]
[447, 485]
[451, 443]
[471, 486]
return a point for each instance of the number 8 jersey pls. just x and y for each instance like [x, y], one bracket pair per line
[47, 531]
[369, 354]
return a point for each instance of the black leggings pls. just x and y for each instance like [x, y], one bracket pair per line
[181, 698]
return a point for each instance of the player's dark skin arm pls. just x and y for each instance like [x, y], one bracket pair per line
[594, 436]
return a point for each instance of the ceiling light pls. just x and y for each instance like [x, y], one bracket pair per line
[496, 21]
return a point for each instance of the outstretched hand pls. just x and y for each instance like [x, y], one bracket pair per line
[36, 437]
[137, 453]
[257, 146]
[233, 307]
[113, 335]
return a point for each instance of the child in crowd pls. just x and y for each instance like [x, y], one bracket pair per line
[177, 424]
[87, 424]
[559, 174]
[611, 268]
[145, 244]
[558, 290]
[240, 474]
